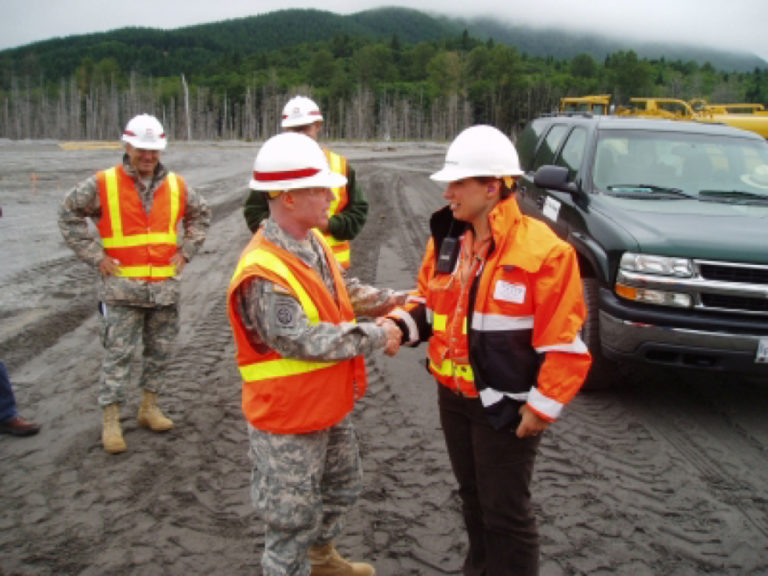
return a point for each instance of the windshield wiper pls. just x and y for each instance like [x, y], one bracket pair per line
[647, 191]
[732, 196]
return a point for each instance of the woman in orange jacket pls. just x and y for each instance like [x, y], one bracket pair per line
[499, 301]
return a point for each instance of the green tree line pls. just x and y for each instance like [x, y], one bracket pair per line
[367, 87]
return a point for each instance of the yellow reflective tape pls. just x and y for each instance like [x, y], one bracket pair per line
[449, 368]
[280, 368]
[140, 240]
[341, 255]
[113, 202]
[440, 322]
[146, 271]
[271, 262]
[333, 242]
[173, 184]
[464, 371]
[334, 161]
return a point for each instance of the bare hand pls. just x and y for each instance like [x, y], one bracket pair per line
[394, 335]
[109, 266]
[179, 261]
[531, 423]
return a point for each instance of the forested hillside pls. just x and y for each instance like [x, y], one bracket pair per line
[387, 73]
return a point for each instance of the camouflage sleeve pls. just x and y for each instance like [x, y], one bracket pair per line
[197, 219]
[371, 301]
[79, 204]
[276, 319]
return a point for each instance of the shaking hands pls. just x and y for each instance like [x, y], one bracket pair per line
[394, 335]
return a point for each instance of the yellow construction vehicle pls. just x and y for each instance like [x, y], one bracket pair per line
[702, 106]
[598, 104]
[746, 116]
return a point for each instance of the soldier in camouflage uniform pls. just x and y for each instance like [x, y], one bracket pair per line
[136, 208]
[300, 356]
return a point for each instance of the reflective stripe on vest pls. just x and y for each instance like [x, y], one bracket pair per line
[499, 322]
[336, 165]
[340, 248]
[440, 321]
[280, 368]
[451, 369]
[146, 271]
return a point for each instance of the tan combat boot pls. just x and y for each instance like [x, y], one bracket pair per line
[326, 561]
[150, 415]
[112, 435]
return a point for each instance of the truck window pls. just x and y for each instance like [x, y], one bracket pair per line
[546, 152]
[573, 152]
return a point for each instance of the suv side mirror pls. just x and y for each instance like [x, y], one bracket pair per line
[554, 178]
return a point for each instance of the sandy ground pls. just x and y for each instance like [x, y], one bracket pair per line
[660, 475]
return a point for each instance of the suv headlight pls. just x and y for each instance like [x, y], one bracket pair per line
[650, 279]
[651, 264]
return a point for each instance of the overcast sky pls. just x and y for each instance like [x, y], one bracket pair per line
[731, 24]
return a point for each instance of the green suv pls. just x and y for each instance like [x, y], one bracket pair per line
[670, 221]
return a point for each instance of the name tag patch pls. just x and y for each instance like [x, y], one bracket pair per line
[508, 292]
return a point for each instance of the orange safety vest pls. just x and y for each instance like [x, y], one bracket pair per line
[290, 395]
[143, 243]
[340, 200]
[515, 335]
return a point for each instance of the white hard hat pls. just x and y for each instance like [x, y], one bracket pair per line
[145, 133]
[479, 151]
[300, 111]
[290, 161]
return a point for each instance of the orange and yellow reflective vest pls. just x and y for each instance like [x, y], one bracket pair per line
[340, 200]
[143, 243]
[290, 395]
[511, 334]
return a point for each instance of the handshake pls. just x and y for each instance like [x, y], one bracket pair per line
[394, 335]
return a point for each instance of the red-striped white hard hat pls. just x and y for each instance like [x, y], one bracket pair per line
[290, 161]
[300, 111]
[145, 133]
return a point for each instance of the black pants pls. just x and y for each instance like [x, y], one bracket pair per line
[494, 470]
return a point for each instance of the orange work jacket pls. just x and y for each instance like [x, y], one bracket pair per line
[290, 395]
[143, 243]
[338, 164]
[512, 335]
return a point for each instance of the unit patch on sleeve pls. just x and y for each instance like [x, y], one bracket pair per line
[284, 314]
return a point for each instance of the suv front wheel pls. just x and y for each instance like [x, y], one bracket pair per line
[604, 372]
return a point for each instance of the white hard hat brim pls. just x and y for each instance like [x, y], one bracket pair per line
[323, 179]
[452, 173]
[139, 145]
[294, 122]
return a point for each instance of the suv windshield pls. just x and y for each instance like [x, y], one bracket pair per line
[637, 161]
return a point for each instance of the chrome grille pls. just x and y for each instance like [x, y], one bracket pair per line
[732, 287]
[734, 273]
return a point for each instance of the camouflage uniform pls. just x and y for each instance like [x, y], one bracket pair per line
[303, 483]
[132, 309]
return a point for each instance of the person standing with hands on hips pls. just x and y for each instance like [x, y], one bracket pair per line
[499, 301]
[300, 355]
[136, 206]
